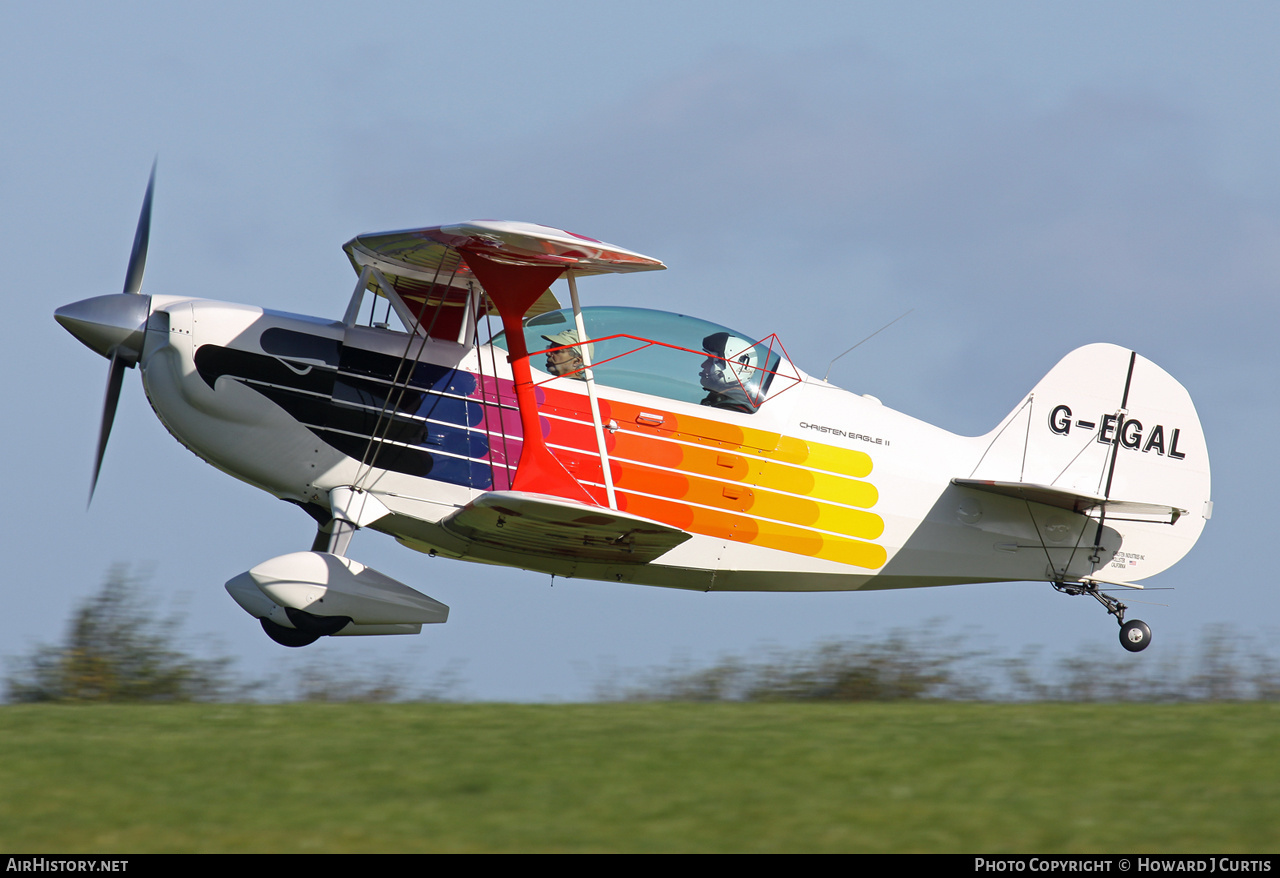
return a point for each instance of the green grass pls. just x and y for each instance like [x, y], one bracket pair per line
[640, 777]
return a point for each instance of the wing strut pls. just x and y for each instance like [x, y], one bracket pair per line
[591, 390]
[513, 289]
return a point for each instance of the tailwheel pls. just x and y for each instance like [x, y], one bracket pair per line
[1135, 635]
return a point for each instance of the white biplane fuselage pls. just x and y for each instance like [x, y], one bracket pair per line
[636, 471]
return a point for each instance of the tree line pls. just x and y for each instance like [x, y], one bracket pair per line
[114, 650]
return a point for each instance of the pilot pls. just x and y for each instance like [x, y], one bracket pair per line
[730, 375]
[568, 360]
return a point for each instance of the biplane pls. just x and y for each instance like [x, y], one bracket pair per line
[457, 407]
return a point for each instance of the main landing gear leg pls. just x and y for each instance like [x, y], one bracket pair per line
[333, 537]
[1135, 635]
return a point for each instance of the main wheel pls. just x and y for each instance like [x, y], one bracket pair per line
[287, 636]
[320, 626]
[1135, 635]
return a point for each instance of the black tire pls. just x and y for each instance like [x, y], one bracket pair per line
[291, 637]
[1135, 635]
[321, 626]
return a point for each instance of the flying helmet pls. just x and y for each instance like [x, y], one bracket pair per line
[733, 368]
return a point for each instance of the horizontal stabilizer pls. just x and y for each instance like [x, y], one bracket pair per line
[539, 524]
[1073, 500]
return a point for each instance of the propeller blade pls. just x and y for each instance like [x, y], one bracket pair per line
[115, 378]
[138, 258]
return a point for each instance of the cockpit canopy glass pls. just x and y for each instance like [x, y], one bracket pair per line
[659, 353]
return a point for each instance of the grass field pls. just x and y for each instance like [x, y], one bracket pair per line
[640, 777]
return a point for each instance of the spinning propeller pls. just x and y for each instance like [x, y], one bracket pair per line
[115, 325]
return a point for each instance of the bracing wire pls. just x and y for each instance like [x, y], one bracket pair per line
[382, 426]
[868, 338]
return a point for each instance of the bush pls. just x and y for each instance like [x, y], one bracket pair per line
[115, 650]
[927, 666]
[899, 667]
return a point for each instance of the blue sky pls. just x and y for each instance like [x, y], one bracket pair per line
[1028, 177]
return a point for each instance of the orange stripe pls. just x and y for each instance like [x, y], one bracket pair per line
[713, 475]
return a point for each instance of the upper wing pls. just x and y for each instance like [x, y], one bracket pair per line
[539, 524]
[1072, 500]
[425, 269]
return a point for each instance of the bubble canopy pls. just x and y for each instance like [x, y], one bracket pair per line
[653, 352]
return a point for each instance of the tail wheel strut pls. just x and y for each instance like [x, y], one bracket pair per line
[1135, 635]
